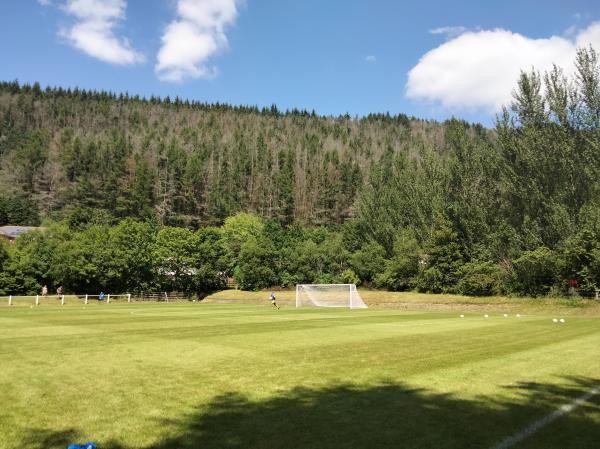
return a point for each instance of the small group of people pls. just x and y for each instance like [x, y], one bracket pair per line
[59, 291]
[101, 296]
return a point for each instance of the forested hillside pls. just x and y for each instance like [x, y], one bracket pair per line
[386, 200]
[193, 164]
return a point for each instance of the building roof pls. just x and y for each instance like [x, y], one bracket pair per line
[12, 232]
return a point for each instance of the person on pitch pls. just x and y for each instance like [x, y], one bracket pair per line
[273, 300]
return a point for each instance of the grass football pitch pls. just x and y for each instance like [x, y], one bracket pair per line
[169, 376]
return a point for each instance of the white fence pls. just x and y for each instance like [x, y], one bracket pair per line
[162, 296]
[50, 299]
[104, 298]
[108, 297]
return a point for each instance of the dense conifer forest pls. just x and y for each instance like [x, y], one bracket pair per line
[160, 193]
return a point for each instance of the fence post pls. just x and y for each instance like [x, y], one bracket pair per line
[108, 298]
[86, 299]
[37, 300]
[166, 297]
[10, 300]
[62, 300]
[128, 297]
[597, 293]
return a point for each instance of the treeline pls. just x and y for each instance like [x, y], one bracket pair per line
[386, 201]
[143, 256]
[54, 93]
[532, 193]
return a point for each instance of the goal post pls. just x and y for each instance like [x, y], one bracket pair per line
[329, 295]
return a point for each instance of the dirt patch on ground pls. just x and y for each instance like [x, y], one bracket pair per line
[418, 301]
[247, 301]
[438, 307]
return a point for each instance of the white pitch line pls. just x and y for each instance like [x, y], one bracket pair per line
[562, 410]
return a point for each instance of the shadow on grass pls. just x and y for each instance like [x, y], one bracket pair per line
[389, 415]
[44, 438]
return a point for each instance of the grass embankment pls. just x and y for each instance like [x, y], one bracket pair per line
[195, 375]
[425, 301]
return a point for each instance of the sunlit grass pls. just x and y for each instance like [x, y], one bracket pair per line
[220, 375]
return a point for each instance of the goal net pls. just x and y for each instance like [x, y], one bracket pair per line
[329, 295]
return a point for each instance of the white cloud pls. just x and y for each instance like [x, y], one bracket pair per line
[94, 30]
[479, 70]
[370, 58]
[449, 31]
[197, 34]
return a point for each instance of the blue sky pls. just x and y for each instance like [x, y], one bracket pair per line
[431, 59]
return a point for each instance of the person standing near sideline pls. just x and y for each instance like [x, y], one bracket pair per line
[45, 290]
[273, 300]
[59, 291]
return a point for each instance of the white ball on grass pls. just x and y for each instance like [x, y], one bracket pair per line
[554, 320]
[462, 316]
[486, 315]
[562, 320]
[518, 315]
[505, 315]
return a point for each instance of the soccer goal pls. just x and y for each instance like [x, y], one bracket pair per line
[329, 295]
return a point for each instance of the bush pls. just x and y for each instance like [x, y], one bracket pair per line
[581, 260]
[444, 259]
[431, 280]
[401, 270]
[368, 261]
[256, 265]
[400, 273]
[536, 271]
[350, 277]
[481, 279]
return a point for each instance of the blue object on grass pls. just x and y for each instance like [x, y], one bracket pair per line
[88, 445]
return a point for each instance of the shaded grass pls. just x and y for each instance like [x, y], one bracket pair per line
[209, 375]
[381, 416]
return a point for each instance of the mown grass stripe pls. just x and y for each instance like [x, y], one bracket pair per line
[547, 420]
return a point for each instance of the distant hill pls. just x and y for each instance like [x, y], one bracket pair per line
[193, 163]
